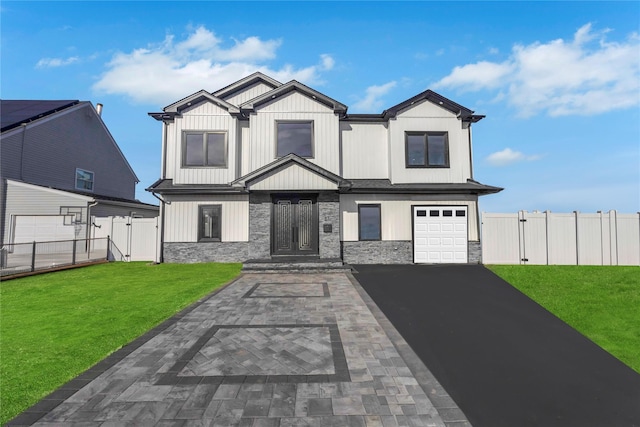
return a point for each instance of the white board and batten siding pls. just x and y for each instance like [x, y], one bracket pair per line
[365, 150]
[426, 116]
[396, 213]
[440, 235]
[293, 176]
[248, 93]
[204, 116]
[181, 217]
[294, 106]
[546, 238]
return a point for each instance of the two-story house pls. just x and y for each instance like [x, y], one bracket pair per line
[260, 170]
[60, 166]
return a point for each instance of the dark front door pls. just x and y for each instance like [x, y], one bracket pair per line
[294, 229]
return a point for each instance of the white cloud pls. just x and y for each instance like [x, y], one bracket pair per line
[584, 76]
[56, 62]
[162, 73]
[372, 102]
[509, 156]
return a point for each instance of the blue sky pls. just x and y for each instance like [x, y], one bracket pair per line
[559, 82]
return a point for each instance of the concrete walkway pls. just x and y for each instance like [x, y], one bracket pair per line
[266, 350]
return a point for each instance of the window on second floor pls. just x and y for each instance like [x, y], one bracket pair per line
[294, 137]
[84, 180]
[427, 149]
[204, 149]
[210, 223]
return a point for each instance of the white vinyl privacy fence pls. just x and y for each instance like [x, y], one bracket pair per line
[135, 239]
[603, 238]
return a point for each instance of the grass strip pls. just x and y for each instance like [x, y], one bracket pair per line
[55, 326]
[601, 302]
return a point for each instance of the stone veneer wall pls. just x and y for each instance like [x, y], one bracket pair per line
[378, 252]
[329, 213]
[475, 253]
[259, 226]
[189, 252]
[394, 252]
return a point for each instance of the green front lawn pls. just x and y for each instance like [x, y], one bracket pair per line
[601, 302]
[55, 326]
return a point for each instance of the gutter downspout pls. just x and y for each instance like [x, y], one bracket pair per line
[163, 202]
[165, 136]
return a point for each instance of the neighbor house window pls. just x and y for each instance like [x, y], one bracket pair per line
[294, 137]
[427, 149]
[210, 222]
[202, 149]
[84, 180]
[369, 222]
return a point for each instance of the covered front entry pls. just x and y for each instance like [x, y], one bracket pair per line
[294, 225]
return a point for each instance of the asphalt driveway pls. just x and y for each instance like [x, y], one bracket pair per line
[503, 358]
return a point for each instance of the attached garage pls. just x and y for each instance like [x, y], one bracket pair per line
[440, 234]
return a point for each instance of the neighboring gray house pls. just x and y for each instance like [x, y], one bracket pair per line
[260, 170]
[60, 166]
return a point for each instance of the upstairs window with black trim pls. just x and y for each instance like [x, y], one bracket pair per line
[369, 222]
[210, 223]
[294, 137]
[84, 180]
[427, 149]
[204, 149]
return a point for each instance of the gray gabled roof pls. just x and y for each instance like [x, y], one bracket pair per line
[201, 95]
[285, 161]
[385, 186]
[166, 186]
[244, 83]
[294, 85]
[463, 113]
[13, 113]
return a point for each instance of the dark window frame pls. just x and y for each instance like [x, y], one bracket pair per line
[201, 209]
[313, 145]
[92, 180]
[204, 134]
[426, 136]
[370, 205]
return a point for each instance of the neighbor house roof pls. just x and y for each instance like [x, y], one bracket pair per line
[13, 113]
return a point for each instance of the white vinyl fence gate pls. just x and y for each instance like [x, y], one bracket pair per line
[561, 238]
[135, 238]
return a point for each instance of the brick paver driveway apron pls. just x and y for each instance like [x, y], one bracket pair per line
[267, 350]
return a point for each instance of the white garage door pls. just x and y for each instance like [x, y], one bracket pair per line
[42, 228]
[440, 234]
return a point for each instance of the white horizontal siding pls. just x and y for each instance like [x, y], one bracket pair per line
[429, 117]
[365, 150]
[396, 216]
[204, 116]
[295, 107]
[25, 199]
[181, 217]
[248, 93]
[294, 177]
